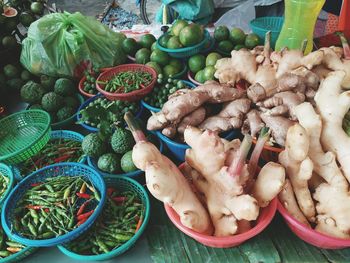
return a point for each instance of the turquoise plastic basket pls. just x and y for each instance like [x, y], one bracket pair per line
[17, 257]
[186, 51]
[6, 171]
[121, 183]
[61, 169]
[64, 134]
[262, 25]
[182, 72]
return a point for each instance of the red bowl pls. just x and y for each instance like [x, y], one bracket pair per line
[81, 85]
[265, 217]
[130, 96]
[310, 235]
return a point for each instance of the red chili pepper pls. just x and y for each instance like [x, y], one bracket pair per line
[81, 221]
[82, 207]
[83, 195]
[110, 191]
[35, 207]
[85, 215]
[120, 199]
[61, 158]
[35, 184]
[46, 210]
[138, 224]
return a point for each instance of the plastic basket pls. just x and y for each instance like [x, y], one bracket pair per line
[186, 51]
[61, 169]
[86, 103]
[64, 134]
[23, 134]
[191, 78]
[62, 124]
[154, 109]
[92, 163]
[121, 183]
[262, 25]
[130, 96]
[17, 257]
[309, 235]
[179, 149]
[6, 171]
[81, 85]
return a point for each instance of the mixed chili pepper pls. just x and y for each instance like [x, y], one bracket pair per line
[54, 207]
[55, 151]
[8, 246]
[4, 182]
[121, 218]
[127, 81]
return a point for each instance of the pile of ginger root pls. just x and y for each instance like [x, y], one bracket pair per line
[317, 161]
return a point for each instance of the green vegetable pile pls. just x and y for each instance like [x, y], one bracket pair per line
[163, 90]
[103, 112]
[8, 247]
[55, 151]
[4, 183]
[121, 218]
[89, 85]
[54, 207]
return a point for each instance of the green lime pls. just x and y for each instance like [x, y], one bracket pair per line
[200, 76]
[169, 71]
[26, 19]
[212, 58]
[225, 46]
[159, 56]
[11, 71]
[208, 73]
[178, 26]
[155, 66]
[237, 36]
[147, 40]
[9, 41]
[238, 47]
[130, 46]
[191, 35]
[174, 43]
[252, 40]
[154, 46]
[221, 33]
[176, 63]
[196, 63]
[142, 56]
[164, 40]
[127, 164]
[37, 8]
[25, 75]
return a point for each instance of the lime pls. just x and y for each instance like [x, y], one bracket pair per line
[164, 40]
[200, 76]
[196, 63]
[212, 58]
[174, 43]
[11, 71]
[238, 47]
[9, 41]
[191, 35]
[159, 56]
[155, 66]
[225, 46]
[37, 8]
[154, 46]
[252, 40]
[25, 75]
[26, 19]
[130, 46]
[208, 73]
[221, 33]
[142, 56]
[147, 40]
[120, 37]
[127, 164]
[178, 26]
[176, 63]
[169, 71]
[237, 36]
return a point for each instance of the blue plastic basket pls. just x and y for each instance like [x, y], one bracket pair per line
[61, 169]
[262, 25]
[17, 257]
[92, 163]
[179, 149]
[186, 51]
[154, 109]
[121, 183]
[86, 103]
[6, 171]
[59, 134]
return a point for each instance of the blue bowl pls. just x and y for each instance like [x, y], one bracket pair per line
[86, 103]
[179, 149]
[61, 169]
[262, 25]
[154, 109]
[64, 134]
[92, 163]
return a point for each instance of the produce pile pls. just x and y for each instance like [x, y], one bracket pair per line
[8, 247]
[203, 66]
[4, 183]
[89, 85]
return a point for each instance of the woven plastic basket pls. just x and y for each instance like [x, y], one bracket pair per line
[186, 51]
[130, 96]
[61, 169]
[262, 25]
[23, 134]
[120, 183]
[6, 171]
[64, 134]
[81, 85]
[17, 257]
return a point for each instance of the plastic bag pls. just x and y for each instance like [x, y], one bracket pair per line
[64, 44]
[239, 16]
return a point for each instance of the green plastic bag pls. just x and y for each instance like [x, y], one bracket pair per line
[64, 44]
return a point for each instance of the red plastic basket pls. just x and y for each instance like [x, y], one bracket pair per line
[309, 235]
[130, 96]
[81, 84]
[265, 217]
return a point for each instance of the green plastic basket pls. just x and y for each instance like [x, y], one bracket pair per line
[23, 134]
[120, 183]
[262, 25]
[6, 171]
